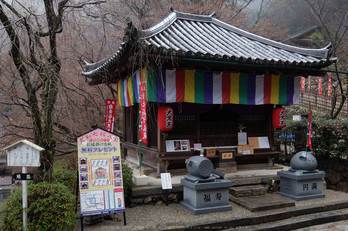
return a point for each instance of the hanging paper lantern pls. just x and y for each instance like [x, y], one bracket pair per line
[165, 118]
[278, 117]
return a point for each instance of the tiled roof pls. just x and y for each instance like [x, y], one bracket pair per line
[205, 37]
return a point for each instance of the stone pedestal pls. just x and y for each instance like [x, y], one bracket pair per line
[140, 180]
[301, 184]
[206, 197]
[227, 167]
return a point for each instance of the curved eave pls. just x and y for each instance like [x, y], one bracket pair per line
[173, 17]
[94, 69]
[207, 39]
[179, 53]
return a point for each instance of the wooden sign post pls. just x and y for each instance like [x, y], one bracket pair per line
[166, 184]
[25, 154]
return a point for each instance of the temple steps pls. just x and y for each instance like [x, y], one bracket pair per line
[298, 222]
[248, 190]
[289, 219]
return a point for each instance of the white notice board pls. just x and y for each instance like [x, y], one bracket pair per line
[259, 142]
[166, 181]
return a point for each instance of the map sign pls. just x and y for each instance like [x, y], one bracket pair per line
[100, 173]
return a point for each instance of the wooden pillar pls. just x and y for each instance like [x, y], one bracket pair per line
[124, 123]
[132, 124]
[270, 127]
[198, 128]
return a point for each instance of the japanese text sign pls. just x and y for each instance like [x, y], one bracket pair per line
[23, 153]
[110, 111]
[143, 123]
[100, 173]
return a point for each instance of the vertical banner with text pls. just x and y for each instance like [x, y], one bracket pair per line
[329, 85]
[100, 173]
[110, 111]
[143, 134]
[303, 83]
[309, 83]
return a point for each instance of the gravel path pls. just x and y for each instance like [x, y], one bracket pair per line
[174, 216]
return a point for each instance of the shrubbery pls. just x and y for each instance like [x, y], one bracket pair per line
[50, 207]
[329, 137]
[64, 175]
[127, 179]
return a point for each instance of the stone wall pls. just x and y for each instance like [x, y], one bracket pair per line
[337, 178]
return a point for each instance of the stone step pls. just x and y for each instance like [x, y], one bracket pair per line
[263, 202]
[248, 190]
[300, 221]
[289, 219]
[241, 181]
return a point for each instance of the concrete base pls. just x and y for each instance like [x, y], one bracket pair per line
[206, 197]
[197, 211]
[141, 180]
[300, 184]
[301, 198]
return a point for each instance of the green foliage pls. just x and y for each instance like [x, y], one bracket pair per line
[329, 137]
[62, 174]
[127, 179]
[294, 134]
[50, 207]
[270, 183]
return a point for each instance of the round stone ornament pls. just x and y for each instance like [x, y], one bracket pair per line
[303, 161]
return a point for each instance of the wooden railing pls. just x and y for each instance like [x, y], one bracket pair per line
[322, 103]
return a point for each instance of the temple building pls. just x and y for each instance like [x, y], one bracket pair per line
[221, 83]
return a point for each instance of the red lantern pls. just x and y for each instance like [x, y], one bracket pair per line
[278, 117]
[165, 118]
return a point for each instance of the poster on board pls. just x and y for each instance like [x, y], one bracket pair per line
[259, 142]
[242, 138]
[178, 145]
[100, 173]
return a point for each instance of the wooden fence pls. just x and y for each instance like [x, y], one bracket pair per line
[322, 103]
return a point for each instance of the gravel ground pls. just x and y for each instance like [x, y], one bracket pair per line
[174, 216]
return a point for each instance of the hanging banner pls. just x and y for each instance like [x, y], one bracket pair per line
[303, 83]
[206, 87]
[309, 83]
[329, 85]
[143, 133]
[100, 173]
[309, 139]
[110, 111]
[320, 86]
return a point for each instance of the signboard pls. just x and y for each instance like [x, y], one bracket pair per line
[242, 138]
[143, 133]
[23, 176]
[178, 145]
[227, 155]
[23, 154]
[166, 181]
[110, 111]
[100, 173]
[259, 142]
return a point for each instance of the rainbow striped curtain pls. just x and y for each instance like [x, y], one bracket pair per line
[192, 86]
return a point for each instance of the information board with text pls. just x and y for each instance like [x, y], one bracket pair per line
[100, 173]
